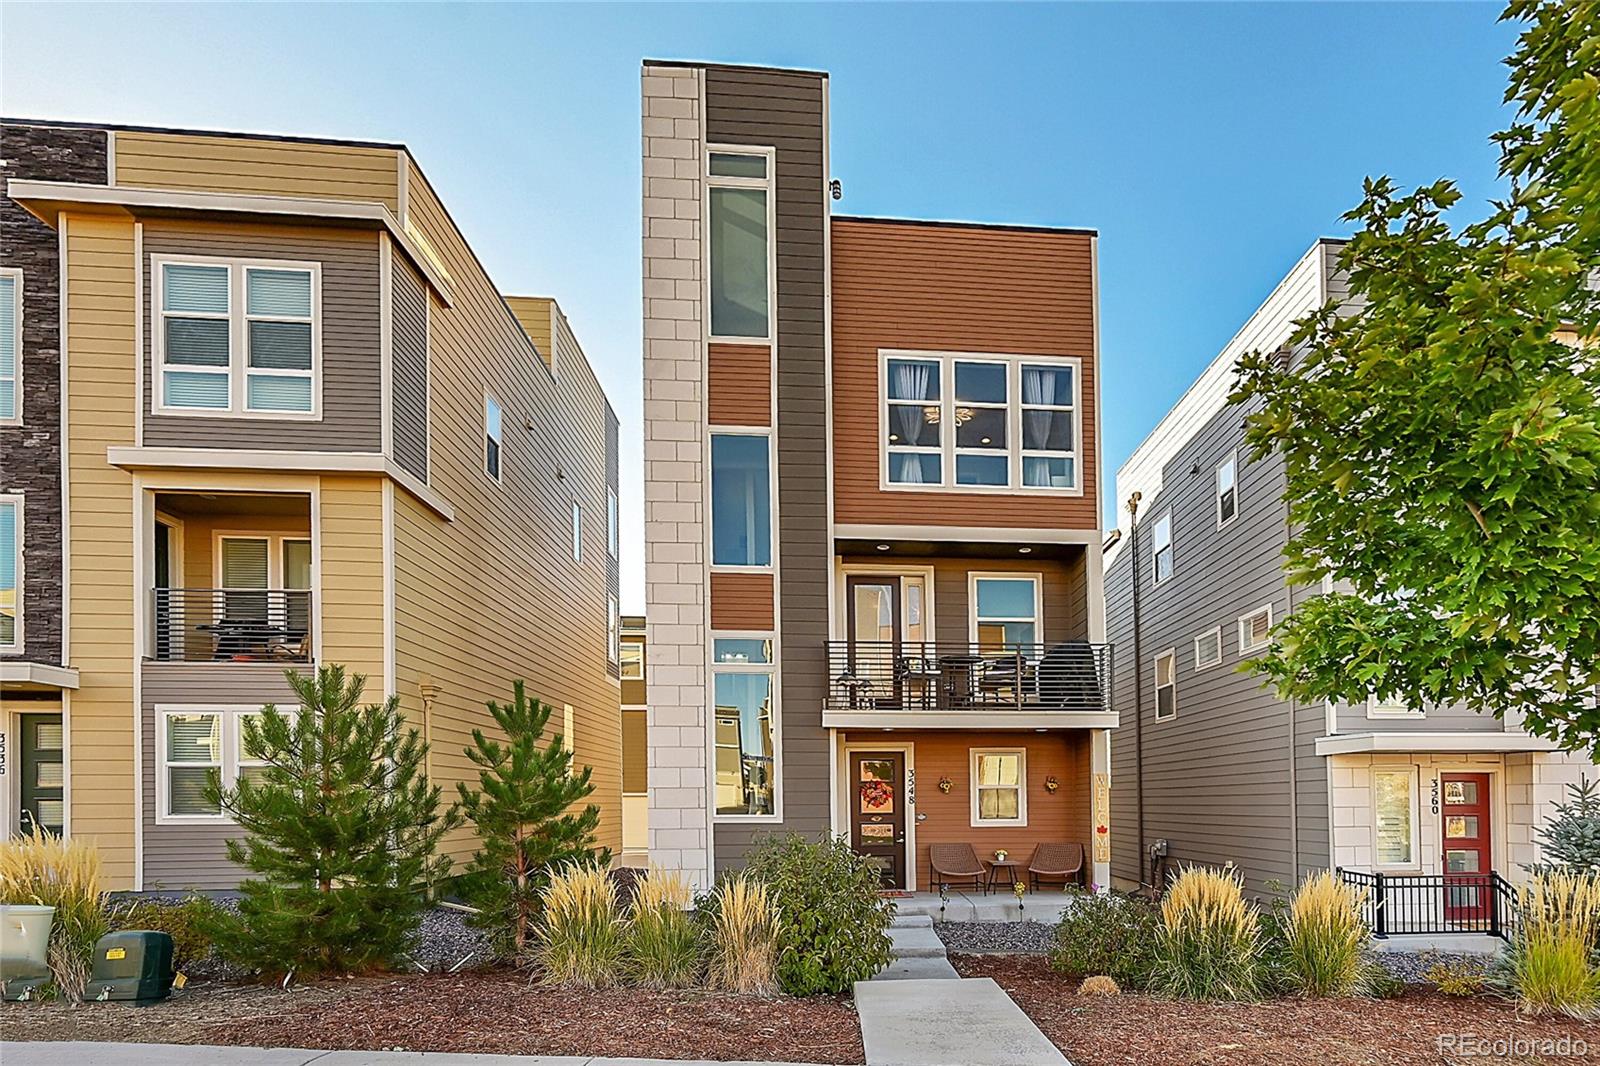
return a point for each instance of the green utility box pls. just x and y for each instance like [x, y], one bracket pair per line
[132, 964]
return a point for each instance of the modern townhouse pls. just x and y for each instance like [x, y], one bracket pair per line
[273, 414]
[1214, 764]
[873, 546]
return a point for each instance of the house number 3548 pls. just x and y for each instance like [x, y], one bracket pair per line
[1435, 797]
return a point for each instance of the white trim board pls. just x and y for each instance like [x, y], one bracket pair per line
[1432, 743]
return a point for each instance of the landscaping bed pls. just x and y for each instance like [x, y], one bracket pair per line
[489, 1010]
[1135, 1030]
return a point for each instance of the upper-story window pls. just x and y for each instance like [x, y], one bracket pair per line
[1161, 549]
[980, 423]
[10, 346]
[1255, 629]
[737, 195]
[1208, 649]
[613, 530]
[493, 424]
[10, 573]
[632, 666]
[237, 337]
[577, 532]
[1227, 490]
[1166, 668]
[613, 632]
[741, 500]
[1005, 610]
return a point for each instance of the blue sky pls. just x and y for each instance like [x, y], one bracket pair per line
[1209, 144]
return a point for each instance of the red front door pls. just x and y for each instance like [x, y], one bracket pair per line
[1465, 845]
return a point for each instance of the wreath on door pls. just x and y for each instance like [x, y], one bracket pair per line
[875, 794]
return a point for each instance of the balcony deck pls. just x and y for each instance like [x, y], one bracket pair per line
[231, 625]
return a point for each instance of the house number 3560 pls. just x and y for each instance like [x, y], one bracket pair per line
[1436, 795]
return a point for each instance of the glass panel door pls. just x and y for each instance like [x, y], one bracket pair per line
[874, 625]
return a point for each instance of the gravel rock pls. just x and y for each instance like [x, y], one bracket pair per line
[995, 938]
[1411, 966]
[445, 940]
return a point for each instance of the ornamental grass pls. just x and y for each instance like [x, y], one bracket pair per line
[48, 871]
[744, 934]
[1552, 964]
[1325, 939]
[581, 934]
[662, 942]
[1209, 941]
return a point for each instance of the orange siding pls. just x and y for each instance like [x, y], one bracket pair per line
[741, 601]
[1065, 605]
[954, 289]
[740, 386]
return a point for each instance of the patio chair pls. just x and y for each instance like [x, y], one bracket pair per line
[1056, 862]
[956, 862]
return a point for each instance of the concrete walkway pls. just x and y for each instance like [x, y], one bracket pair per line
[16, 1053]
[965, 1022]
[918, 952]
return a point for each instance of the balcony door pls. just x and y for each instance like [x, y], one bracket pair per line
[884, 624]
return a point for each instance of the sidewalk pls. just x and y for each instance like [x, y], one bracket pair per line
[24, 1053]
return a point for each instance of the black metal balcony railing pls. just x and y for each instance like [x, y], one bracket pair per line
[232, 625]
[945, 676]
[1434, 904]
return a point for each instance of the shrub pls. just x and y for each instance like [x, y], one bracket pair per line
[1571, 839]
[744, 937]
[663, 944]
[1324, 950]
[1456, 976]
[1099, 985]
[832, 924]
[526, 816]
[1209, 939]
[189, 922]
[1106, 934]
[580, 936]
[340, 829]
[44, 870]
[1549, 965]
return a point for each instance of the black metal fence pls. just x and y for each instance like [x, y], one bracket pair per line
[938, 675]
[231, 625]
[1434, 904]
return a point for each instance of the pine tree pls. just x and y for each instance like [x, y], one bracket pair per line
[523, 814]
[1571, 840]
[340, 828]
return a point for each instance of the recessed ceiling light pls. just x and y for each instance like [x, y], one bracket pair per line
[1024, 550]
[883, 547]
[1041, 730]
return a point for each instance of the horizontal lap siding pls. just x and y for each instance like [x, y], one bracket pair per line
[410, 348]
[1064, 606]
[741, 601]
[352, 374]
[739, 390]
[947, 288]
[784, 110]
[254, 166]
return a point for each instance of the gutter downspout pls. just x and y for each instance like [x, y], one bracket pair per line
[1294, 714]
[1138, 679]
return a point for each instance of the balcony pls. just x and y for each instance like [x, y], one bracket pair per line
[922, 685]
[231, 625]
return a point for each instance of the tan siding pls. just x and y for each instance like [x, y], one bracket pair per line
[533, 314]
[741, 601]
[258, 166]
[352, 577]
[950, 289]
[739, 392]
[100, 304]
[634, 753]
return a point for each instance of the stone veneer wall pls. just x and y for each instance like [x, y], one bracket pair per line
[675, 471]
[31, 452]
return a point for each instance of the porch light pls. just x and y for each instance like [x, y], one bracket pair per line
[883, 547]
[1024, 550]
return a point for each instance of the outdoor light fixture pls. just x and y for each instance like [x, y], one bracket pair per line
[1024, 550]
[944, 898]
[883, 547]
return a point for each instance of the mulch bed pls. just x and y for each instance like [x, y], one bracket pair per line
[492, 1011]
[1135, 1030]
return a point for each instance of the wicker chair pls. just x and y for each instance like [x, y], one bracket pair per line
[1056, 862]
[956, 862]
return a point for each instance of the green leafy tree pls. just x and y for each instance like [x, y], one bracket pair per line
[523, 813]
[340, 828]
[1441, 431]
[1571, 839]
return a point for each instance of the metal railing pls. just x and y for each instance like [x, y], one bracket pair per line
[940, 675]
[231, 625]
[1434, 904]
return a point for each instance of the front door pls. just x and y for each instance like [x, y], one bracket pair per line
[878, 812]
[873, 607]
[42, 789]
[1464, 823]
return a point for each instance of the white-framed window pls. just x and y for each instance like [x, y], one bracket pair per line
[577, 532]
[239, 337]
[195, 746]
[1391, 708]
[739, 245]
[613, 524]
[1208, 649]
[265, 577]
[972, 422]
[10, 346]
[746, 732]
[11, 591]
[999, 786]
[741, 499]
[569, 733]
[1161, 549]
[1255, 629]
[1006, 610]
[1166, 679]
[493, 428]
[1228, 489]
[1394, 811]
[632, 661]
[613, 632]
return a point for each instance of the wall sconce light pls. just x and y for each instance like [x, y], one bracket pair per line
[1051, 783]
[945, 785]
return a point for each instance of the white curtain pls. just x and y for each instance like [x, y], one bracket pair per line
[1038, 387]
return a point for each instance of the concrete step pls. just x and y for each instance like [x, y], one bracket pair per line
[915, 969]
[916, 942]
[912, 921]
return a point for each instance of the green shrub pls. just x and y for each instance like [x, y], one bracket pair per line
[832, 923]
[1456, 976]
[663, 943]
[1571, 839]
[744, 937]
[1210, 939]
[1107, 934]
[1551, 965]
[47, 871]
[1324, 949]
[188, 921]
[580, 934]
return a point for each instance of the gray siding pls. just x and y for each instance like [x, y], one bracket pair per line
[409, 410]
[195, 856]
[352, 374]
[784, 110]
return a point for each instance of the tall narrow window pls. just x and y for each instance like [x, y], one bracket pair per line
[1227, 490]
[10, 345]
[577, 532]
[912, 414]
[613, 529]
[613, 632]
[278, 340]
[982, 452]
[745, 734]
[632, 666]
[10, 572]
[1049, 440]
[1161, 549]
[741, 501]
[1166, 685]
[491, 437]
[196, 370]
[1393, 803]
[738, 245]
[192, 759]
[1005, 612]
